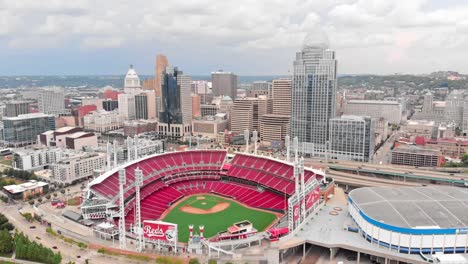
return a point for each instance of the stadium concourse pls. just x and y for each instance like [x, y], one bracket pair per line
[261, 183]
[389, 225]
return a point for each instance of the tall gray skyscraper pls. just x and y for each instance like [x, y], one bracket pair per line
[313, 94]
[224, 83]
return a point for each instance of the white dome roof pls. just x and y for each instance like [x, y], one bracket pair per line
[316, 39]
[131, 73]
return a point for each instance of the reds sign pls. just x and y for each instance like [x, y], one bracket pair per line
[312, 197]
[158, 230]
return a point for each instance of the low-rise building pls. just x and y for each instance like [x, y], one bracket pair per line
[68, 137]
[136, 127]
[423, 128]
[26, 190]
[36, 158]
[23, 129]
[210, 126]
[389, 110]
[76, 167]
[103, 121]
[411, 155]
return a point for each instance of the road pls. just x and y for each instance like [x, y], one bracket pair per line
[69, 252]
[383, 154]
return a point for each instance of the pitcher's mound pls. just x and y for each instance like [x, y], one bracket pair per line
[217, 208]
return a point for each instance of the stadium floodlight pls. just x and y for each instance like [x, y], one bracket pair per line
[138, 227]
[246, 138]
[109, 154]
[122, 231]
[296, 149]
[287, 142]
[115, 148]
[255, 138]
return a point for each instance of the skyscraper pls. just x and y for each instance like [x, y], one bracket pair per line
[224, 83]
[161, 64]
[176, 115]
[274, 127]
[132, 81]
[281, 94]
[313, 94]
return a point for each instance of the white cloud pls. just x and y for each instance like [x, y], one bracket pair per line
[357, 26]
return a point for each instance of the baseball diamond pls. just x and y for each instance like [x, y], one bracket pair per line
[215, 220]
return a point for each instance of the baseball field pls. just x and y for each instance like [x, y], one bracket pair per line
[215, 213]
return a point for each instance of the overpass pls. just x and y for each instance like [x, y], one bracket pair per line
[395, 175]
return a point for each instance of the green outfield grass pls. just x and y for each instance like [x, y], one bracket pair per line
[215, 222]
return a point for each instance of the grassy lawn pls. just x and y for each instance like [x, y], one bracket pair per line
[5, 161]
[74, 201]
[207, 203]
[215, 222]
[17, 181]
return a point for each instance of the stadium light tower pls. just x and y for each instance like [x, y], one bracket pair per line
[122, 232]
[246, 138]
[301, 173]
[109, 154]
[135, 146]
[255, 138]
[129, 148]
[115, 148]
[138, 230]
[296, 149]
[302, 190]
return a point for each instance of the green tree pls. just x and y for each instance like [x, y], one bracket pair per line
[465, 158]
[48, 196]
[6, 242]
[31, 202]
[55, 194]
[28, 217]
[194, 261]
[7, 226]
[212, 261]
[163, 260]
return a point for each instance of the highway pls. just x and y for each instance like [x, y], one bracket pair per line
[362, 174]
[360, 180]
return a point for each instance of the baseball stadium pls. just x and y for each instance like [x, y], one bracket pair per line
[210, 189]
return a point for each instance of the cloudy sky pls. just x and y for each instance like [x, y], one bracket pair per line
[245, 36]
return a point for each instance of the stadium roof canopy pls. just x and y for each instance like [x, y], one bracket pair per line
[414, 207]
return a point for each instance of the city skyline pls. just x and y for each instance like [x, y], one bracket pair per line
[378, 37]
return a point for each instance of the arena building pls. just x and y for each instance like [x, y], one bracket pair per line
[414, 220]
